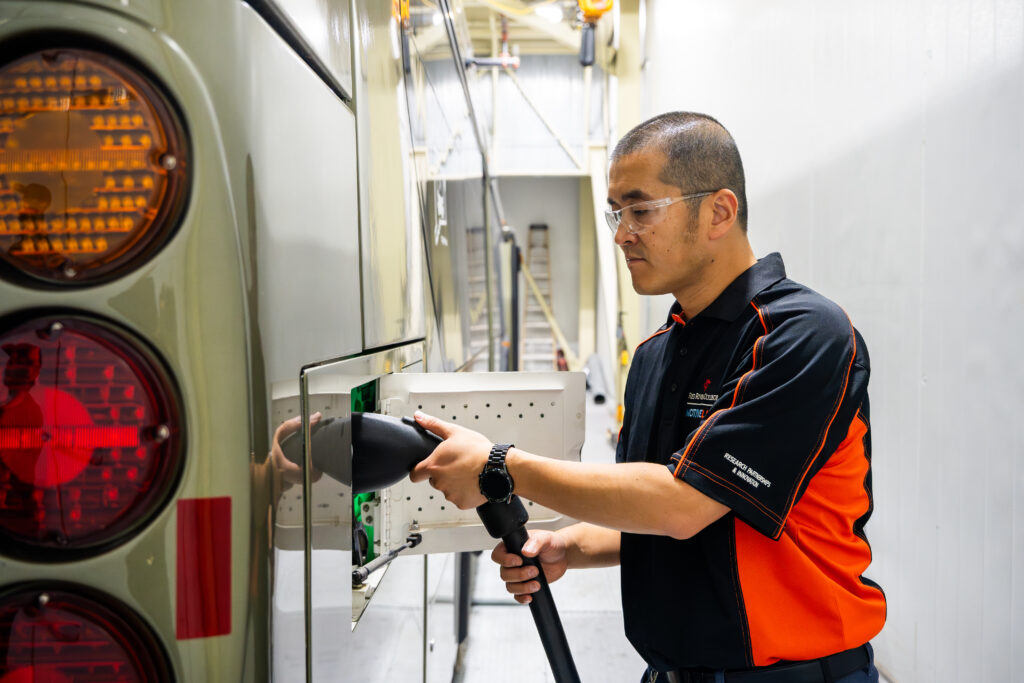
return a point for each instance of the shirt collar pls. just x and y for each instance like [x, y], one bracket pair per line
[741, 291]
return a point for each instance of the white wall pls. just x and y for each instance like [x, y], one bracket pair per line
[522, 143]
[884, 149]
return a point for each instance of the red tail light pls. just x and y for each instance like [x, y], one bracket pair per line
[61, 633]
[90, 436]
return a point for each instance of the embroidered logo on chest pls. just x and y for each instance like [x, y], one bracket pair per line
[698, 403]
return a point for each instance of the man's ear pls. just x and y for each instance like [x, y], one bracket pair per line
[724, 206]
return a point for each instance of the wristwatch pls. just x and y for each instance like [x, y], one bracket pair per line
[495, 482]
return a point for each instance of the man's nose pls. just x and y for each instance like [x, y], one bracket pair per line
[623, 236]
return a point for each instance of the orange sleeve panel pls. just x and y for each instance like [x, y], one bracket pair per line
[777, 419]
[803, 594]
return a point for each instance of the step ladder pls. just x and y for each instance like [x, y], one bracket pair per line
[476, 268]
[538, 349]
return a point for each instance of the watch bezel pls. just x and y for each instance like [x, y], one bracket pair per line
[491, 477]
[495, 474]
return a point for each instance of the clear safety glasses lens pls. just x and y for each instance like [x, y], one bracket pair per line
[638, 217]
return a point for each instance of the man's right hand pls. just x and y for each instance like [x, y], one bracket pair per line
[520, 580]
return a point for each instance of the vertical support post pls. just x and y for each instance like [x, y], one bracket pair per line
[489, 275]
[607, 301]
[307, 520]
[588, 277]
[628, 63]
[588, 77]
[426, 614]
[588, 281]
[494, 86]
[514, 265]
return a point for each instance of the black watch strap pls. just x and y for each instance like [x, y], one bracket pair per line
[497, 455]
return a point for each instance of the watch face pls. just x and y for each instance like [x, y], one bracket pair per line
[495, 485]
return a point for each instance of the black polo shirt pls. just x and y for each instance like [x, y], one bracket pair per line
[759, 402]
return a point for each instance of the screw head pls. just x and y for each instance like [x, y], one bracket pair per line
[161, 433]
[50, 331]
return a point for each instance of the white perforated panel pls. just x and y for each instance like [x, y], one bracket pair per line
[539, 412]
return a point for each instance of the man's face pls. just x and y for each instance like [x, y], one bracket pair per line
[667, 257]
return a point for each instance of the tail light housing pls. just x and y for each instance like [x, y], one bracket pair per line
[62, 633]
[93, 164]
[90, 436]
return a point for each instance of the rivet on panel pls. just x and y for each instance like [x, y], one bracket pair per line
[161, 433]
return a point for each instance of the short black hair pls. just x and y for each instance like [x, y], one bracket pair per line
[701, 154]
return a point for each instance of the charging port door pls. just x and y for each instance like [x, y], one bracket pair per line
[541, 412]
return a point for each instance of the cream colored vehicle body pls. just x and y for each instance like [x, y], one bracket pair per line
[297, 274]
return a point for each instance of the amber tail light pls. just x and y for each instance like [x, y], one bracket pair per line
[93, 166]
[90, 436]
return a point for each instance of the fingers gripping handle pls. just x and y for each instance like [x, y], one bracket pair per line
[507, 521]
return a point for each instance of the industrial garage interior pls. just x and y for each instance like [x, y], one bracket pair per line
[230, 231]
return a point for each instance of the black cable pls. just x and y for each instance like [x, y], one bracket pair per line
[507, 521]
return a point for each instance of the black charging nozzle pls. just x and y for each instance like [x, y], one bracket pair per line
[384, 450]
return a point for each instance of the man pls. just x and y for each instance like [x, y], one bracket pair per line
[742, 486]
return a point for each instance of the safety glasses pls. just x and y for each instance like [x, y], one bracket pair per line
[638, 217]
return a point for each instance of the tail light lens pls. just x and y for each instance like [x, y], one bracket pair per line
[90, 436]
[93, 166]
[64, 633]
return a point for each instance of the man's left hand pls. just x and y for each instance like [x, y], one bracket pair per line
[455, 465]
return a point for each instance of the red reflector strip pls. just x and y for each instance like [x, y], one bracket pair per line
[204, 567]
[69, 437]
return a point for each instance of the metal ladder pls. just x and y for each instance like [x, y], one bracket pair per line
[477, 289]
[538, 351]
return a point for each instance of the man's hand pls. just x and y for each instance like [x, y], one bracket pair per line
[549, 546]
[288, 472]
[455, 465]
